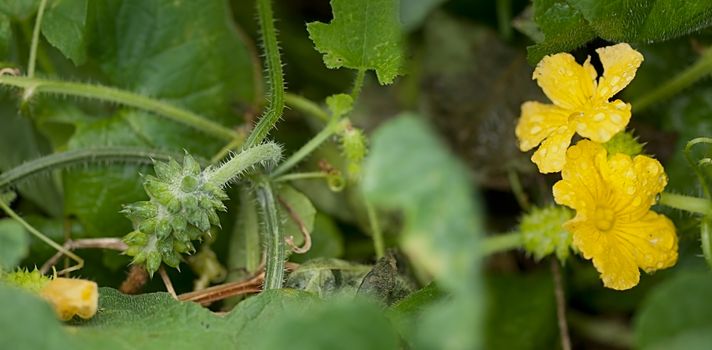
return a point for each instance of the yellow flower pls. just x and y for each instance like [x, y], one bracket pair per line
[580, 103]
[614, 225]
[71, 297]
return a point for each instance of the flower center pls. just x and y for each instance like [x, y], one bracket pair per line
[604, 218]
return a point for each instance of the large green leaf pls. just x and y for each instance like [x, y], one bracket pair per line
[677, 315]
[14, 244]
[568, 24]
[328, 277]
[28, 323]
[19, 143]
[147, 321]
[410, 170]
[347, 324]
[65, 25]
[564, 28]
[364, 34]
[413, 12]
[19, 10]
[521, 312]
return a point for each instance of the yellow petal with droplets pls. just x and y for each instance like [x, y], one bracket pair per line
[602, 121]
[551, 155]
[581, 185]
[537, 122]
[652, 240]
[71, 297]
[566, 83]
[620, 62]
[634, 182]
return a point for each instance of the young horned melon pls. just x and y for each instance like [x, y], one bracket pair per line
[183, 205]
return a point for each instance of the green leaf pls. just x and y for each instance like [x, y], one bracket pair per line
[564, 29]
[568, 24]
[364, 34]
[675, 315]
[186, 52]
[29, 323]
[521, 312]
[19, 10]
[14, 244]
[328, 277]
[65, 26]
[411, 170]
[645, 20]
[348, 324]
[18, 143]
[5, 35]
[406, 313]
[147, 321]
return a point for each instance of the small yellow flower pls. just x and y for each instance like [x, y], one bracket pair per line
[580, 103]
[71, 297]
[614, 225]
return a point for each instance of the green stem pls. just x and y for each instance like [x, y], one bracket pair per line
[274, 70]
[108, 94]
[274, 241]
[376, 233]
[689, 76]
[687, 203]
[329, 130]
[42, 237]
[518, 190]
[706, 240]
[306, 106]
[499, 243]
[69, 158]
[35, 39]
[358, 84]
[504, 18]
[247, 159]
[301, 176]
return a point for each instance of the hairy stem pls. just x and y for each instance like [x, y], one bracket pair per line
[108, 94]
[309, 147]
[687, 203]
[358, 84]
[500, 243]
[700, 69]
[69, 158]
[274, 70]
[35, 39]
[267, 152]
[273, 237]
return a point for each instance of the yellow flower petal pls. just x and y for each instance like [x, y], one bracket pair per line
[652, 240]
[620, 62]
[566, 83]
[71, 297]
[635, 183]
[581, 183]
[614, 262]
[551, 155]
[537, 122]
[603, 121]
